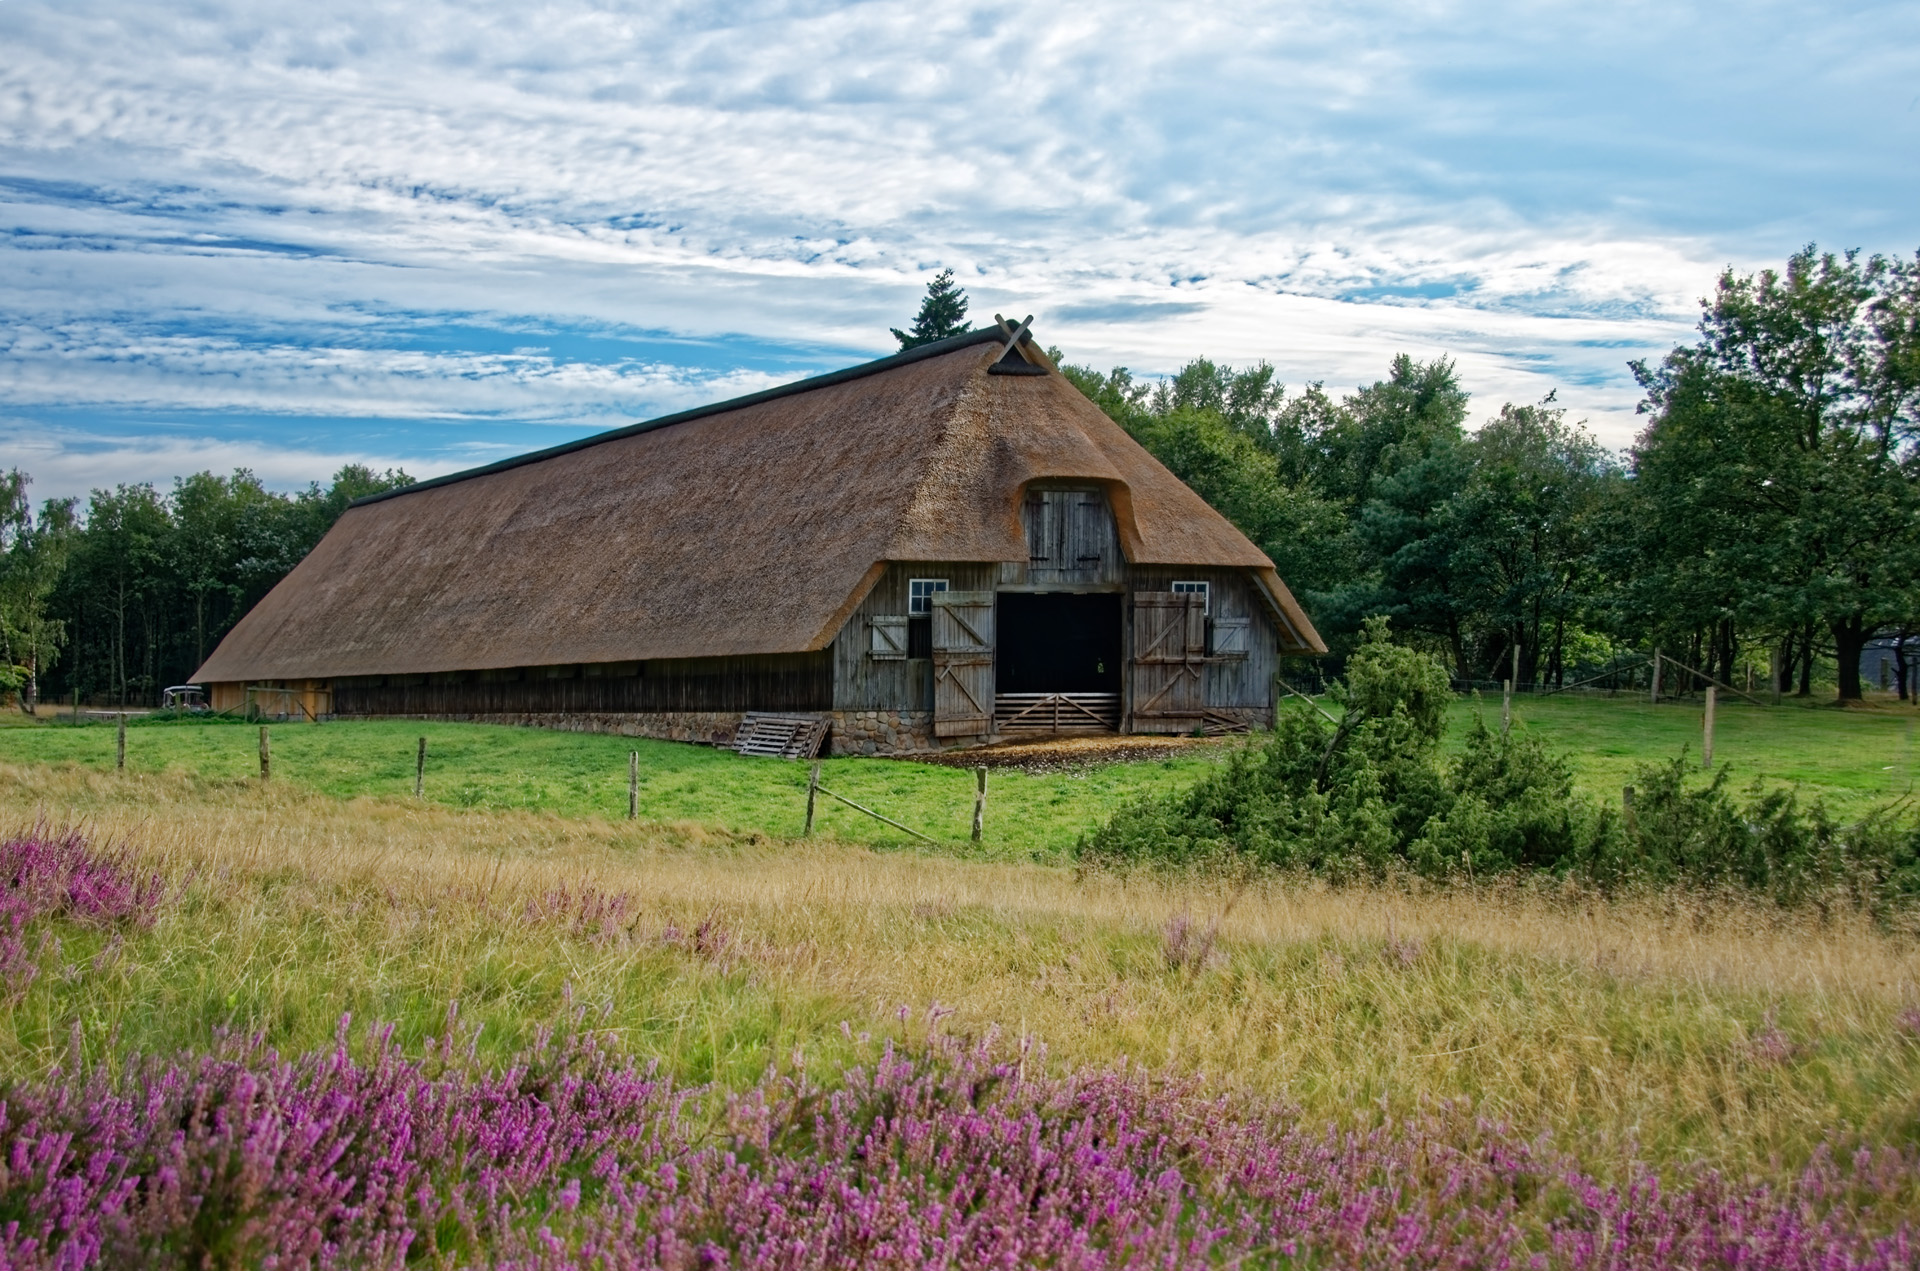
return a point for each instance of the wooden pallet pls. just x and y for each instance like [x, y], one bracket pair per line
[780, 736]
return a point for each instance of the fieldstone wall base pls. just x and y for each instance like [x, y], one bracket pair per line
[884, 733]
[853, 733]
[708, 728]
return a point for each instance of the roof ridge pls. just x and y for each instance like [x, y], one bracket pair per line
[953, 343]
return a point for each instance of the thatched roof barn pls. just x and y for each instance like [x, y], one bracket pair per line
[769, 553]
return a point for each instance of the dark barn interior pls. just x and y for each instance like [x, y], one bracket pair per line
[1059, 642]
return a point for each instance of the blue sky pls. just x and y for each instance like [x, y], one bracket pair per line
[424, 234]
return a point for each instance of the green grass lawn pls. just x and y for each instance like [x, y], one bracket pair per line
[584, 774]
[1851, 758]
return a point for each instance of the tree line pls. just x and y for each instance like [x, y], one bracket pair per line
[125, 595]
[1770, 506]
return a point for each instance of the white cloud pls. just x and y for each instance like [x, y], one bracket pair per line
[248, 207]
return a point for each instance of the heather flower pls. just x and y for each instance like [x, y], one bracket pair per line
[1771, 1045]
[575, 1155]
[1187, 946]
[44, 874]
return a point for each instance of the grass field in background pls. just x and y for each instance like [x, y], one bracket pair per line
[1851, 758]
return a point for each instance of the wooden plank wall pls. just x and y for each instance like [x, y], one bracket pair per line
[773, 682]
[862, 683]
[1242, 682]
[1071, 540]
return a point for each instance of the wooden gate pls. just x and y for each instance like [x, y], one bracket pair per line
[962, 663]
[1169, 662]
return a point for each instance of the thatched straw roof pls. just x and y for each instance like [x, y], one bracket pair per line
[751, 526]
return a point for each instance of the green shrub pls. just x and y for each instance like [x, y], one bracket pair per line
[1368, 792]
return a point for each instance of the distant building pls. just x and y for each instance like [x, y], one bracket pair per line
[1879, 661]
[934, 549]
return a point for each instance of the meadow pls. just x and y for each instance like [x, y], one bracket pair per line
[1528, 1050]
[1852, 759]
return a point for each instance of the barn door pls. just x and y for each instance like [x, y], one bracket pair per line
[1169, 661]
[962, 663]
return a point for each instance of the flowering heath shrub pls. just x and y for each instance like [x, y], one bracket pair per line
[46, 873]
[574, 1155]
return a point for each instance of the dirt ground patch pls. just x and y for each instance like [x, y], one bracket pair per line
[1057, 754]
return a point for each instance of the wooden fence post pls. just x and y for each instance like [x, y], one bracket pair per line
[1706, 744]
[420, 771]
[120, 745]
[1516, 664]
[813, 786]
[1654, 699]
[633, 785]
[1506, 706]
[266, 754]
[979, 802]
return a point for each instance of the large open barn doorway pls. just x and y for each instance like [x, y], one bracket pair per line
[1058, 661]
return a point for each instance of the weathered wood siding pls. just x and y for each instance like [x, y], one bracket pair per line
[782, 681]
[1071, 540]
[862, 682]
[1166, 687]
[1237, 683]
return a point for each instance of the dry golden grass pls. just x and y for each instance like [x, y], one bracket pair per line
[1721, 1030]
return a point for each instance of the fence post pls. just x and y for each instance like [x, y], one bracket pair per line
[266, 754]
[813, 785]
[1506, 706]
[1516, 664]
[979, 801]
[1706, 745]
[633, 784]
[1654, 699]
[420, 771]
[120, 745]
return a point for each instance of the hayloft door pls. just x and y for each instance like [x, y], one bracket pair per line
[1169, 661]
[962, 663]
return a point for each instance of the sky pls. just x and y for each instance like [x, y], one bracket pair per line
[287, 237]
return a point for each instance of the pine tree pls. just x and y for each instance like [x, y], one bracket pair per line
[942, 313]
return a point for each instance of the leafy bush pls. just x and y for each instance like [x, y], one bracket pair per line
[1369, 792]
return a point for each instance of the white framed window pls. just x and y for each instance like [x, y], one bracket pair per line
[1200, 589]
[920, 593]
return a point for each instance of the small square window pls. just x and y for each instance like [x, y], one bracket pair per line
[1200, 589]
[920, 593]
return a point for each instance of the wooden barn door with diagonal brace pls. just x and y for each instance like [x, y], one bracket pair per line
[1169, 661]
[962, 663]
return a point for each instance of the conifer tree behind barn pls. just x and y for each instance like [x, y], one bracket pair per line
[934, 549]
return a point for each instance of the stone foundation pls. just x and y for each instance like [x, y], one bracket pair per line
[882, 733]
[707, 728]
[853, 733]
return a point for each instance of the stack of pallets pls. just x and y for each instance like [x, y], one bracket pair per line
[780, 736]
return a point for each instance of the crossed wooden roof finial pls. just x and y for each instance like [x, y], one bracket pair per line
[1006, 364]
